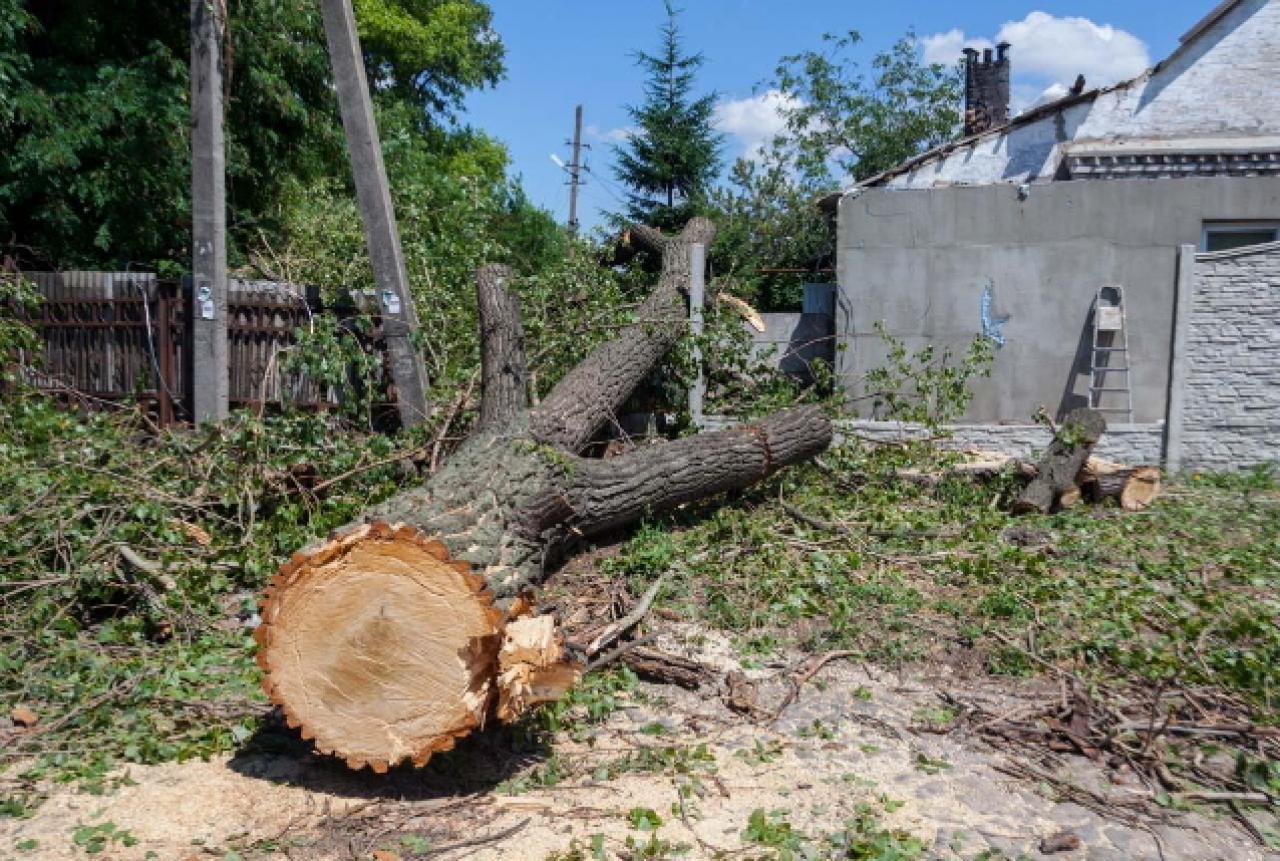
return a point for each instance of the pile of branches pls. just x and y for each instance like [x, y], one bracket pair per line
[1181, 745]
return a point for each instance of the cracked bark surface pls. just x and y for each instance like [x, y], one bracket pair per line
[1066, 456]
[404, 631]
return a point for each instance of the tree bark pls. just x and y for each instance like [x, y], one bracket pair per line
[1057, 470]
[502, 364]
[590, 395]
[403, 631]
[595, 496]
[1133, 487]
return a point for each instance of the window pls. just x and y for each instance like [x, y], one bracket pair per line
[1226, 235]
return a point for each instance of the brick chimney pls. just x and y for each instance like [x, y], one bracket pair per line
[986, 89]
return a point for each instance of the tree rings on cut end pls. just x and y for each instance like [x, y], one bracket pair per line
[379, 646]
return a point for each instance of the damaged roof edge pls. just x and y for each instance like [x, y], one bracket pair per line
[1200, 28]
[1021, 119]
[1208, 20]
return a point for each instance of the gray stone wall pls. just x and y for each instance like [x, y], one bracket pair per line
[1126, 443]
[1231, 396]
[792, 342]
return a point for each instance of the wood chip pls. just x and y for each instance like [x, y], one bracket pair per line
[24, 717]
[1063, 841]
[195, 533]
[742, 697]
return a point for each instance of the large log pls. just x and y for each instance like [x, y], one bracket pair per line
[1133, 487]
[405, 630]
[1057, 470]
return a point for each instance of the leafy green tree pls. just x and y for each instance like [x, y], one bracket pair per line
[429, 52]
[840, 119]
[673, 158]
[772, 237]
[95, 126]
[840, 125]
[93, 132]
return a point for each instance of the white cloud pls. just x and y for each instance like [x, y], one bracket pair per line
[755, 120]
[946, 48]
[618, 135]
[1061, 48]
[1049, 50]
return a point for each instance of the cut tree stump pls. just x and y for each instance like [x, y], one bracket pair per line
[1057, 470]
[379, 645]
[406, 630]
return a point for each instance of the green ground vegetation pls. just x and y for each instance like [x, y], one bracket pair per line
[1184, 592]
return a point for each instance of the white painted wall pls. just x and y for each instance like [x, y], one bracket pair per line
[1226, 81]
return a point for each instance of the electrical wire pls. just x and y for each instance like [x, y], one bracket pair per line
[151, 344]
[608, 187]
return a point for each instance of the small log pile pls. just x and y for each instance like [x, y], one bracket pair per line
[1067, 475]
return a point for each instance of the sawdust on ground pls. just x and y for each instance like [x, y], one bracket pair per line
[846, 747]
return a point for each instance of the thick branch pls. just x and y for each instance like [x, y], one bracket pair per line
[595, 496]
[501, 347]
[591, 394]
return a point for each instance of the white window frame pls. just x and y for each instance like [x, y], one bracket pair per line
[1236, 227]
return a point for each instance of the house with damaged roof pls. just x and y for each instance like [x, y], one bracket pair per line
[1119, 246]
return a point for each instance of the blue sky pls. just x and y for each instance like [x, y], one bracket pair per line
[564, 52]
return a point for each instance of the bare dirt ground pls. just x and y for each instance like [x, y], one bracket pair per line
[672, 772]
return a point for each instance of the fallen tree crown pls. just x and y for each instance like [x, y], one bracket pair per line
[398, 634]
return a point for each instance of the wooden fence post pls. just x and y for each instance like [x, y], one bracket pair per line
[165, 382]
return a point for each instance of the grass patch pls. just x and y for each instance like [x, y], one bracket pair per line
[128, 663]
[1184, 593]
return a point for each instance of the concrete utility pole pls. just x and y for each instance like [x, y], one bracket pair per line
[697, 301]
[209, 366]
[399, 318]
[575, 171]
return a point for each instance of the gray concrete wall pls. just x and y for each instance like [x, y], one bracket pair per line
[1230, 416]
[921, 260]
[791, 342]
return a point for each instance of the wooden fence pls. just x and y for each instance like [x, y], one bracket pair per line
[112, 336]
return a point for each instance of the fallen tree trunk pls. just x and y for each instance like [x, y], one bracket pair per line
[400, 633]
[1057, 470]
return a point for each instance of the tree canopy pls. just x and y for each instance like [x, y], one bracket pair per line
[840, 120]
[94, 115]
[840, 125]
[672, 159]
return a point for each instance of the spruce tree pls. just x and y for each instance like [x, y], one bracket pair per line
[671, 160]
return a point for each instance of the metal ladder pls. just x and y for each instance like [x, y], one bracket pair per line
[1110, 338]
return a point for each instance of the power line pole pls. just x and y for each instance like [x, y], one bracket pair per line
[210, 382]
[399, 317]
[575, 171]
